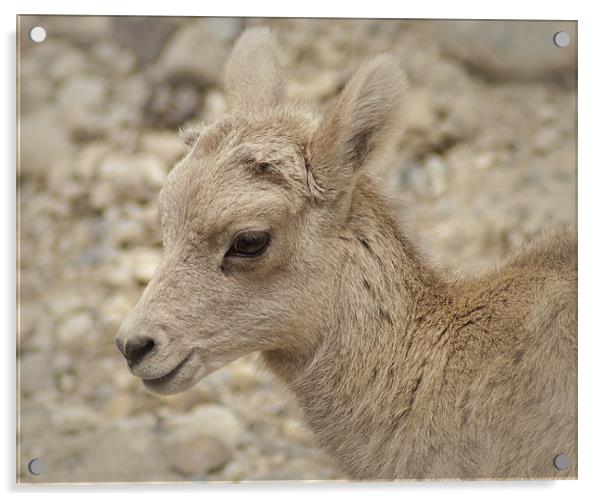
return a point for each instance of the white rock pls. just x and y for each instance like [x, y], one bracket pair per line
[133, 174]
[198, 457]
[547, 139]
[126, 231]
[420, 111]
[120, 405]
[485, 160]
[35, 372]
[211, 421]
[88, 159]
[215, 105]
[320, 87]
[437, 173]
[296, 432]
[80, 102]
[62, 362]
[76, 331]
[44, 142]
[164, 145]
[75, 418]
[197, 51]
[70, 62]
[68, 383]
[115, 308]
[144, 263]
[201, 440]
[243, 376]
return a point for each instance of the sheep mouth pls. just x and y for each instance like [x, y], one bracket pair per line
[178, 379]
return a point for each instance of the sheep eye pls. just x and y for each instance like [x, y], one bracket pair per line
[249, 244]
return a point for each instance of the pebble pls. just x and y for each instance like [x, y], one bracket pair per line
[546, 140]
[75, 332]
[201, 440]
[206, 420]
[167, 146]
[197, 457]
[197, 51]
[144, 262]
[243, 377]
[80, 100]
[75, 419]
[35, 373]
[44, 142]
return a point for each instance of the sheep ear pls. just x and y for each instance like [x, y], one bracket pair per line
[253, 75]
[364, 121]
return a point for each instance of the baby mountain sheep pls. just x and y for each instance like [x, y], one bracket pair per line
[278, 240]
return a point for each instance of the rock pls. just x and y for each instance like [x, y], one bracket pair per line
[207, 420]
[145, 262]
[75, 332]
[89, 158]
[68, 383]
[296, 432]
[62, 362]
[215, 105]
[126, 232]
[171, 105]
[199, 394]
[144, 36]
[75, 419]
[35, 372]
[120, 405]
[202, 440]
[420, 112]
[197, 51]
[124, 113]
[509, 50]
[70, 63]
[485, 160]
[166, 146]
[197, 457]
[547, 139]
[243, 377]
[437, 174]
[320, 87]
[80, 102]
[115, 308]
[44, 143]
[127, 177]
[108, 54]
[118, 275]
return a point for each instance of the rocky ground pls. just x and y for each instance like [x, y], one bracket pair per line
[488, 158]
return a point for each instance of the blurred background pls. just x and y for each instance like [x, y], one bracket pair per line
[487, 158]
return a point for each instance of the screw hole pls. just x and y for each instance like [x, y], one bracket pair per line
[562, 39]
[35, 466]
[37, 34]
[562, 462]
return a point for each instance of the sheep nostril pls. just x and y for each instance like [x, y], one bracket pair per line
[137, 349]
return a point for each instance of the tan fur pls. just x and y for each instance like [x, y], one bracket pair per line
[400, 371]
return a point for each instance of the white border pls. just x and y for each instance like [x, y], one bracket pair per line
[589, 249]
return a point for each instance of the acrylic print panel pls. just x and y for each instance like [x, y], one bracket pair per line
[305, 324]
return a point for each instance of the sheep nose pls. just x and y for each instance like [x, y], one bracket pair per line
[135, 349]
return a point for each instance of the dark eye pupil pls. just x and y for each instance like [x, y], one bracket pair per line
[249, 244]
